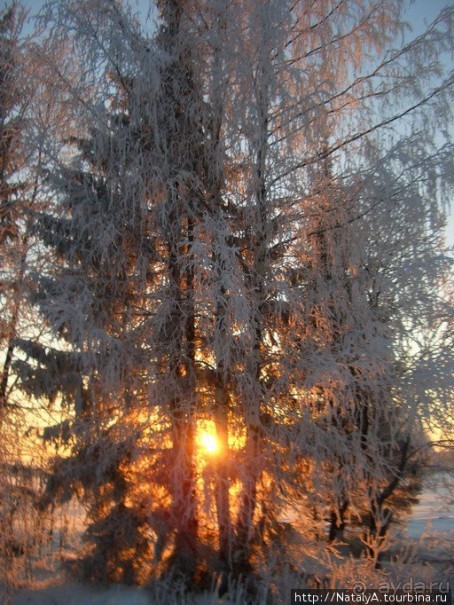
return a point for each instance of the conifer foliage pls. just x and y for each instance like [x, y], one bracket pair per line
[238, 242]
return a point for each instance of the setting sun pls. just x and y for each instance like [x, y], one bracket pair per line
[208, 442]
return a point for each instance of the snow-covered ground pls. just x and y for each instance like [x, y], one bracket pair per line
[76, 594]
[431, 526]
[434, 514]
[70, 594]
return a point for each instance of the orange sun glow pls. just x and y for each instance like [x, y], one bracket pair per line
[208, 442]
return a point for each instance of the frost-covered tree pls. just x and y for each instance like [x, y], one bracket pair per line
[222, 254]
[19, 159]
[93, 293]
[15, 192]
[120, 292]
[410, 289]
[363, 421]
[282, 147]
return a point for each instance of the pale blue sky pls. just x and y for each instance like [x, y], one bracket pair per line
[416, 12]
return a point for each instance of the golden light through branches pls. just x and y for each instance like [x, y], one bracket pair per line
[208, 442]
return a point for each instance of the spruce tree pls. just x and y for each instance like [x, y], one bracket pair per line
[215, 258]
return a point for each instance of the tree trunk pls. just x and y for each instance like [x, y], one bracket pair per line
[183, 561]
[248, 504]
[13, 326]
[222, 481]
